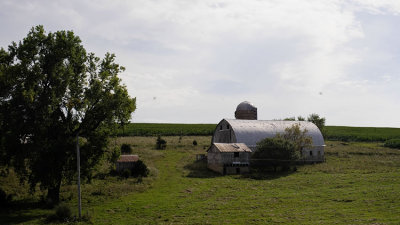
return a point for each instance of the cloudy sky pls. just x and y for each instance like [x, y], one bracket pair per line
[195, 61]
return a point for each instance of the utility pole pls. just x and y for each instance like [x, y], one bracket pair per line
[79, 175]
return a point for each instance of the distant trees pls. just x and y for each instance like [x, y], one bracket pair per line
[314, 118]
[52, 90]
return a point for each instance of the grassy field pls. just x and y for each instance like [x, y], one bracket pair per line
[358, 184]
[338, 133]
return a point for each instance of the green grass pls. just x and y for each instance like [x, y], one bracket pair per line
[361, 133]
[358, 184]
[337, 133]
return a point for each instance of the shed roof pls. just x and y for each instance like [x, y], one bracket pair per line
[252, 131]
[128, 158]
[232, 147]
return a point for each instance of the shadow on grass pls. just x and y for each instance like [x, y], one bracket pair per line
[21, 212]
[266, 174]
[198, 169]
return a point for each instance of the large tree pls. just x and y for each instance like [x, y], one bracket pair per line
[52, 90]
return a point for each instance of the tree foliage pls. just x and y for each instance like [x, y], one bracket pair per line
[317, 120]
[298, 137]
[51, 90]
[283, 149]
[277, 148]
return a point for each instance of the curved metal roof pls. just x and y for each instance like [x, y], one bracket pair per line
[245, 106]
[252, 131]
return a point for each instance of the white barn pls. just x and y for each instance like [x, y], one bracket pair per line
[248, 130]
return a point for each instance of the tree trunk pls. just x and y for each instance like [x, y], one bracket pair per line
[53, 193]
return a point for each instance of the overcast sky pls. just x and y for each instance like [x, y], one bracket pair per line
[194, 61]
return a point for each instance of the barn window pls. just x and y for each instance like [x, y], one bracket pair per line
[220, 127]
[319, 153]
[236, 154]
[227, 126]
[311, 153]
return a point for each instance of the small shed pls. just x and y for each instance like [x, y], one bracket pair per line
[126, 162]
[229, 158]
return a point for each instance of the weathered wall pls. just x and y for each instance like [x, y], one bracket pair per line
[223, 133]
[246, 114]
[216, 161]
[234, 170]
[120, 166]
[315, 154]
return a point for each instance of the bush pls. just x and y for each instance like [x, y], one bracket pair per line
[126, 173]
[392, 143]
[62, 213]
[161, 143]
[3, 197]
[140, 169]
[194, 142]
[274, 152]
[126, 149]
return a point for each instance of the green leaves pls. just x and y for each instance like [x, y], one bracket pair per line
[51, 89]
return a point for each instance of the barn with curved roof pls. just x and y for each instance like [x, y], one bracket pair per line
[248, 130]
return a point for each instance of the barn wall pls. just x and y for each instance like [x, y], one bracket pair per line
[228, 157]
[317, 154]
[216, 161]
[223, 133]
[120, 166]
[233, 169]
[217, 168]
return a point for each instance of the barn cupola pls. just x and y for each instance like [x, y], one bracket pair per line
[246, 111]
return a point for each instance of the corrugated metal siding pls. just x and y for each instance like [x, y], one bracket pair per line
[252, 131]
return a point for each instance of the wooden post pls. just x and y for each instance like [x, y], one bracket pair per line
[79, 175]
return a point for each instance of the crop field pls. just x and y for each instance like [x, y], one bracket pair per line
[358, 184]
[166, 129]
[361, 133]
[337, 133]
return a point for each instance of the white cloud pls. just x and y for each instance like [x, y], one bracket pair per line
[199, 59]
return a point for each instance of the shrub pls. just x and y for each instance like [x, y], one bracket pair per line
[126, 149]
[393, 143]
[194, 142]
[140, 169]
[126, 173]
[63, 212]
[161, 143]
[274, 152]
